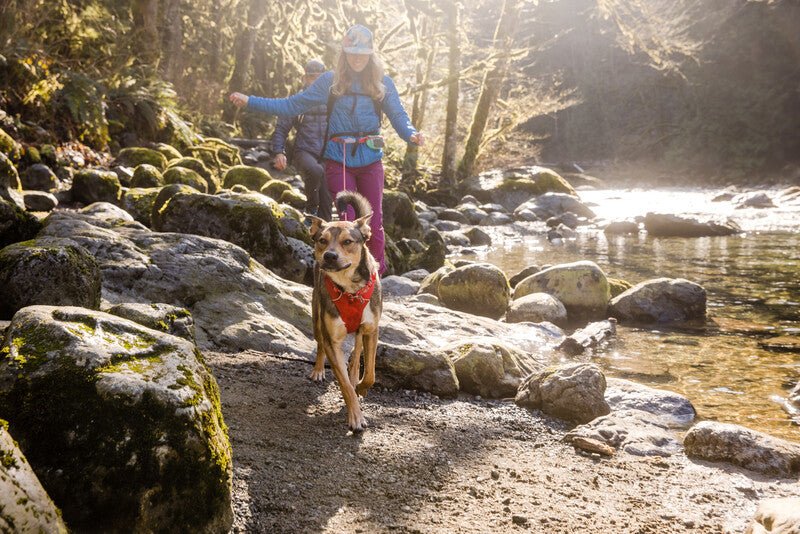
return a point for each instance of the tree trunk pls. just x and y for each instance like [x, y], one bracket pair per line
[8, 11]
[426, 56]
[145, 25]
[492, 81]
[173, 41]
[451, 122]
[245, 44]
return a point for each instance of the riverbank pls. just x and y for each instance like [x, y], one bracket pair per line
[466, 465]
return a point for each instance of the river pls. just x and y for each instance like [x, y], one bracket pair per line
[752, 281]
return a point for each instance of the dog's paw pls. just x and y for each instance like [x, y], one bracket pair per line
[361, 390]
[317, 376]
[357, 423]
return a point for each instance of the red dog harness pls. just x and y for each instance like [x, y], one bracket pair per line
[351, 305]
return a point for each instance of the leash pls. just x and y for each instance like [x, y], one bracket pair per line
[375, 142]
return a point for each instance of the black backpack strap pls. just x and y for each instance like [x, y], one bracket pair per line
[331, 102]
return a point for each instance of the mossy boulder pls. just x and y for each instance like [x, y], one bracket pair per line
[661, 300]
[39, 177]
[252, 178]
[139, 202]
[417, 368]
[581, 286]
[479, 289]
[181, 175]
[399, 216]
[135, 156]
[24, 503]
[430, 284]
[9, 147]
[16, 224]
[10, 187]
[47, 271]
[251, 221]
[293, 198]
[122, 423]
[489, 368]
[537, 308]
[146, 175]
[275, 188]
[162, 317]
[162, 199]
[618, 286]
[96, 185]
[169, 151]
[513, 189]
[200, 168]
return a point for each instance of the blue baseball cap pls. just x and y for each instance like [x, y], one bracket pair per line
[357, 40]
[315, 66]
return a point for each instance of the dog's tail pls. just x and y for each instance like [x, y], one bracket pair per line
[360, 204]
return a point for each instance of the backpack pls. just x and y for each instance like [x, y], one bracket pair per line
[332, 98]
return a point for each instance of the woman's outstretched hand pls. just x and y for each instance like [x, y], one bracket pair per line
[239, 100]
[418, 139]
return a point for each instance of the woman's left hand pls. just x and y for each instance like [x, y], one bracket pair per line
[418, 139]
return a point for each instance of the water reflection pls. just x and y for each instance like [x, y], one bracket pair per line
[753, 285]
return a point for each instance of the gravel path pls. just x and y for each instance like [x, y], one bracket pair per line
[441, 466]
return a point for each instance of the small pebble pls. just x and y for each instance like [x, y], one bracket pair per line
[519, 519]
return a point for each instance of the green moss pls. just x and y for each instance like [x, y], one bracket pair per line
[135, 156]
[252, 178]
[7, 459]
[181, 175]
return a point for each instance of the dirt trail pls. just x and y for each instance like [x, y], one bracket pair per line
[441, 466]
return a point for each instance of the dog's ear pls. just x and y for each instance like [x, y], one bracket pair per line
[316, 224]
[362, 224]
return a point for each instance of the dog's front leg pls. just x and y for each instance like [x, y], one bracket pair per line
[318, 372]
[355, 418]
[370, 352]
[355, 359]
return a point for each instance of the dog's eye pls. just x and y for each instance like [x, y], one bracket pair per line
[347, 242]
[322, 241]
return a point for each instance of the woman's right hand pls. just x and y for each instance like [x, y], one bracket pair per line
[239, 100]
[279, 162]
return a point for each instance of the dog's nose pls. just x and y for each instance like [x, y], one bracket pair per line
[330, 256]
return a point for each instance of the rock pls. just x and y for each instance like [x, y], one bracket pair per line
[496, 219]
[16, 224]
[405, 367]
[632, 431]
[24, 504]
[169, 151]
[488, 368]
[182, 175]
[122, 423]
[431, 282]
[252, 178]
[573, 392]
[776, 516]
[792, 403]
[124, 174]
[588, 337]
[399, 286]
[430, 259]
[592, 445]
[753, 200]
[96, 185]
[453, 215]
[107, 212]
[10, 188]
[662, 300]
[537, 308]
[618, 287]
[426, 298]
[781, 344]
[552, 205]
[135, 156]
[39, 201]
[162, 317]
[664, 225]
[399, 216]
[57, 272]
[200, 168]
[251, 221]
[756, 451]
[523, 274]
[671, 409]
[139, 202]
[478, 237]
[621, 228]
[447, 226]
[237, 304]
[275, 188]
[162, 199]
[417, 275]
[580, 286]
[294, 199]
[39, 177]
[480, 289]
[515, 189]
[146, 175]
[472, 213]
[8, 147]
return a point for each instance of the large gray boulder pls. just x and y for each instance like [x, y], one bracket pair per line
[581, 286]
[57, 272]
[553, 205]
[510, 189]
[16, 224]
[121, 423]
[632, 431]
[479, 288]
[662, 300]
[139, 203]
[39, 177]
[39, 201]
[666, 225]
[490, 368]
[157, 316]
[96, 185]
[536, 308]
[721, 442]
[776, 516]
[573, 392]
[255, 222]
[24, 504]
[670, 408]
[399, 216]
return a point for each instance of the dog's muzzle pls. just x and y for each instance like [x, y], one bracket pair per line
[330, 262]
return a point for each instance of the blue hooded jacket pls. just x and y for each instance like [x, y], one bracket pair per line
[351, 114]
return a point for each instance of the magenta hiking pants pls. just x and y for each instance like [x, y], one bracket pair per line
[368, 181]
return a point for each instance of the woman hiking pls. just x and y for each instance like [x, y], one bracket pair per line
[357, 93]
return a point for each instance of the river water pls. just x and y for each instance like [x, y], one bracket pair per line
[753, 286]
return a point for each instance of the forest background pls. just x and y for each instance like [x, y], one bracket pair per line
[703, 88]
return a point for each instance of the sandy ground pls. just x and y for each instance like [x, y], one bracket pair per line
[443, 466]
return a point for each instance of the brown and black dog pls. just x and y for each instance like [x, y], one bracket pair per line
[346, 299]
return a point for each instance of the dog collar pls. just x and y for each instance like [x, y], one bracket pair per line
[351, 305]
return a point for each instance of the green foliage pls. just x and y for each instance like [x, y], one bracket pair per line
[84, 98]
